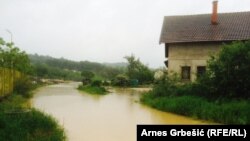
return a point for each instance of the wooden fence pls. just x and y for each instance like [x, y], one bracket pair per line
[8, 77]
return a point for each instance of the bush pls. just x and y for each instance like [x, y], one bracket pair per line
[93, 89]
[96, 83]
[86, 81]
[106, 83]
[121, 80]
[167, 86]
[229, 71]
[23, 86]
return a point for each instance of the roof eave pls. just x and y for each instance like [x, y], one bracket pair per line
[162, 28]
[181, 42]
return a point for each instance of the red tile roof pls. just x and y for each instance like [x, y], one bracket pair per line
[198, 28]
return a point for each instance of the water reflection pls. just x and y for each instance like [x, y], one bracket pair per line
[111, 117]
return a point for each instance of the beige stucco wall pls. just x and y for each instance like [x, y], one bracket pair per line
[191, 54]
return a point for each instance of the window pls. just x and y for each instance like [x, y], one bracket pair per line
[201, 70]
[166, 63]
[185, 72]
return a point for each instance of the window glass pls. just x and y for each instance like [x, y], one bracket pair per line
[185, 72]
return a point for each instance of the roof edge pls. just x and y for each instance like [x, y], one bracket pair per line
[160, 41]
[201, 41]
[206, 14]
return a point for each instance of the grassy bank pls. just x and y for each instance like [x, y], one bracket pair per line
[228, 112]
[99, 90]
[20, 123]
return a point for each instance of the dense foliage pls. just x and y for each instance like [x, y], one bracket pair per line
[137, 70]
[121, 80]
[46, 71]
[23, 86]
[50, 67]
[229, 71]
[13, 58]
[87, 74]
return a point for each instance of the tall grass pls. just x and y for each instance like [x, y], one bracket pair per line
[228, 112]
[19, 124]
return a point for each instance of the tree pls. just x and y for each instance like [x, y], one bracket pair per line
[102, 70]
[11, 57]
[14, 59]
[137, 70]
[87, 74]
[41, 70]
[229, 71]
[121, 80]
[87, 77]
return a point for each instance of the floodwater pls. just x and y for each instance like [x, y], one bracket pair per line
[111, 117]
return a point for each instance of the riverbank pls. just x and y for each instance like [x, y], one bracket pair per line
[227, 112]
[20, 122]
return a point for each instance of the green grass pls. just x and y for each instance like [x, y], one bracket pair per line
[98, 77]
[99, 90]
[227, 112]
[33, 125]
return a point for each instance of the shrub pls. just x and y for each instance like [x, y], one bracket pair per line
[167, 86]
[86, 81]
[23, 86]
[96, 83]
[229, 71]
[93, 89]
[106, 83]
[121, 80]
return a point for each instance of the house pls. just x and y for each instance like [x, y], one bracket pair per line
[191, 39]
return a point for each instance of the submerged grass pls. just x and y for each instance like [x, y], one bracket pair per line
[19, 123]
[99, 90]
[228, 112]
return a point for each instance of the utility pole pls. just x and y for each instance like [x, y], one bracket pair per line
[11, 36]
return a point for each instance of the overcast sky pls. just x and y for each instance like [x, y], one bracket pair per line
[98, 30]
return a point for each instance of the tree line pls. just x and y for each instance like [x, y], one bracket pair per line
[39, 66]
[46, 66]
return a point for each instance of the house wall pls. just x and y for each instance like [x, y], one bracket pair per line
[190, 54]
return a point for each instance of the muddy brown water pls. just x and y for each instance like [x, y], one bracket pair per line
[111, 117]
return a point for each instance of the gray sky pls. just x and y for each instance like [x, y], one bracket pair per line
[98, 30]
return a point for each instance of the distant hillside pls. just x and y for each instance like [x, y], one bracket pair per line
[119, 65]
[44, 64]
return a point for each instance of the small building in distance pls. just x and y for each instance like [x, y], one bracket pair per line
[191, 39]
